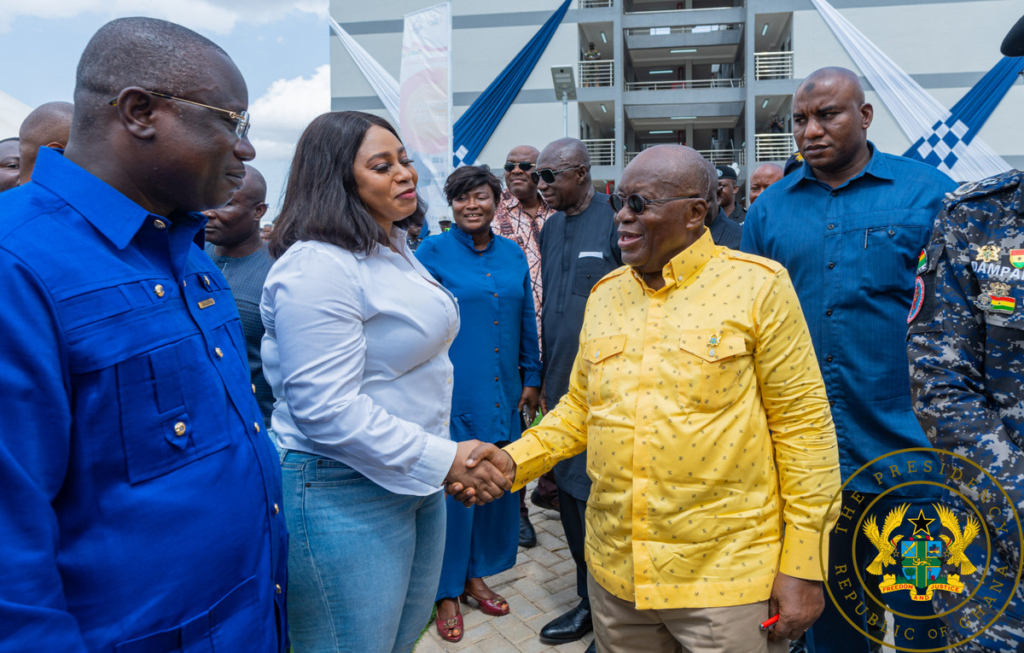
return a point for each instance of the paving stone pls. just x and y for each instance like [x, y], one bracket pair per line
[545, 557]
[520, 606]
[474, 636]
[512, 629]
[553, 602]
[534, 645]
[535, 572]
[549, 541]
[529, 589]
[564, 568]
[559, 583]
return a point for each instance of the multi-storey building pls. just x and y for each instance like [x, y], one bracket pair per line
[712, 74]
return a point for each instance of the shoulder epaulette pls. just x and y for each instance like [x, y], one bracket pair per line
[1008, 180]
[617, 272]
[767, 263]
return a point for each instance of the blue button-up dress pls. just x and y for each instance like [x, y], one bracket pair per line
[141, 497]
[496, 343]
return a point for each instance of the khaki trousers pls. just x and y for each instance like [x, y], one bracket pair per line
[620, 628]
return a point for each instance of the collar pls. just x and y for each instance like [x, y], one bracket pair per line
[511, 201]
[686, 263]
[461, 236]
[107, 209]
[878, 167]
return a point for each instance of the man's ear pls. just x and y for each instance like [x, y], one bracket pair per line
[136, 109]
[695, 213]
[56, 145]
[867, 114]
[261, 209]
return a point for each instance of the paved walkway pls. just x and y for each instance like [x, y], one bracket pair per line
[540, 587]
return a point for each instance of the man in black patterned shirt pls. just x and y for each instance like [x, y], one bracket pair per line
[233, 243]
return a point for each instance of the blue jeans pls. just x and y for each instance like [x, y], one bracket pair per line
[364, 563]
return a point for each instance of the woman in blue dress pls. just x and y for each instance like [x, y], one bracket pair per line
[496, 378]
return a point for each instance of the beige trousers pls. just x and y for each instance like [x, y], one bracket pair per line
[620, 628]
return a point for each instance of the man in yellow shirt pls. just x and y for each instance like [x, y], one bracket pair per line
[698, 398]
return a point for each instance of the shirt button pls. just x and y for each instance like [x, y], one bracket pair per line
[277, 588]
[257, 426]
[158, 290]
[495, 350]
[254, 388]
[831, 265]
[159, 224]
[497, 405]
[495, 378]
[495, 323]
[828, 358]
[488, 274]
[449, 381]
[219, 353]
[277, 509]
[831, 226]
[831, 402]
[206, 281]
[446, 422]
[495, 294]
[828, 312]
[179, 429]
[892, 232]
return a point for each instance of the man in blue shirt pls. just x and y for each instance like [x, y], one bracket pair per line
[848, 226]
[141, 498]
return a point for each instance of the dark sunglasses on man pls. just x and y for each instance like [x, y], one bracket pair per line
[638, 204]
[547, 174]
[522, 165]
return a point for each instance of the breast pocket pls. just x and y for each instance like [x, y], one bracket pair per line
[157, 430]
[886, 256]
[603, 360]
[711, 369]
[589, 271]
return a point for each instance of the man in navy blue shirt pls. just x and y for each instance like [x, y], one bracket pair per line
[848, 226]
[141, 498]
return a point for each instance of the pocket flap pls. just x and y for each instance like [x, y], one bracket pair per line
[598, 349]
[712, 346]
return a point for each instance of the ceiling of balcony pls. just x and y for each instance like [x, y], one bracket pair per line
[644, 125]
[779, 27]
[664, 57]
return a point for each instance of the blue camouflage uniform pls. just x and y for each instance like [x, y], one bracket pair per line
[966, 351]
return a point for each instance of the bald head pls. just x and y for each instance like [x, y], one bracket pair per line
[47, 126]
[154, 54]
[830, 124]
[234, 229]
[254, 186]
[571, 189]
[518, 181]
[765, 175]
[679, 181]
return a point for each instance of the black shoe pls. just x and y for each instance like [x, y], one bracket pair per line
[537, 500]
[593, 647]
[571, 626]
[527, 536]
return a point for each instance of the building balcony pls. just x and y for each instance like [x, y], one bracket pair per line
[716, 157]
[680, 84]
[684, 36]
[601, 150]
[773, 65]
[596, 73]
[773, 147]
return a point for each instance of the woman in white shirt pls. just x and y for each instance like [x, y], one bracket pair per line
[356, 351]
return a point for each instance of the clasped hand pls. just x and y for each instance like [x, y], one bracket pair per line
[481, 473]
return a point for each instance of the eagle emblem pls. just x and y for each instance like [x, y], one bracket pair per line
[881, 540]
[960, 541]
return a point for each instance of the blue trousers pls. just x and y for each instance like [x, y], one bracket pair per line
[363, 563]
[480, 541]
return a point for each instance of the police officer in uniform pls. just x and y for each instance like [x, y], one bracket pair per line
[966, 350]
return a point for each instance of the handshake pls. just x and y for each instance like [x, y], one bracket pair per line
[480, 474]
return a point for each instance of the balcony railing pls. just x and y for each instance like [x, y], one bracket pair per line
[773, 147]
[666, 11]
[716, 157]
[602, 151]
[594, 4]
[680, 29]
[596, 73]
[773, 65]
[668, 85]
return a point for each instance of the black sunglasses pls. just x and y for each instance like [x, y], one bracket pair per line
[523, 165]
[638, 204]
[547, 174]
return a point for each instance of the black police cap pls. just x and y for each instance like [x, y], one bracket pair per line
[1013, 44]
[727, 172]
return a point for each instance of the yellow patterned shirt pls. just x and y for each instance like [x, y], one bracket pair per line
[704, 417]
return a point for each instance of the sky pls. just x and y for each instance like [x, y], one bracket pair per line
[281, 47]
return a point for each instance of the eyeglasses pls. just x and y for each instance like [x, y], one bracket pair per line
[522, 165]
[638, 204]
[241, 120]
[548, 175]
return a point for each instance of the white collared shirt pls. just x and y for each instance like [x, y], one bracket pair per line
[356, 351]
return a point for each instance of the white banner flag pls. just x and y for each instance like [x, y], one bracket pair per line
[425, 103]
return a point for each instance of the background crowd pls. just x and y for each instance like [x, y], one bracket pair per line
[248, 445]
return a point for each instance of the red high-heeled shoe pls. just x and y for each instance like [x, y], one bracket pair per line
[445, 628]
[496, 607]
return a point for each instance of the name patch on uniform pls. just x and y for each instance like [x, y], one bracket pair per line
[206, 303]
[915, 306]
